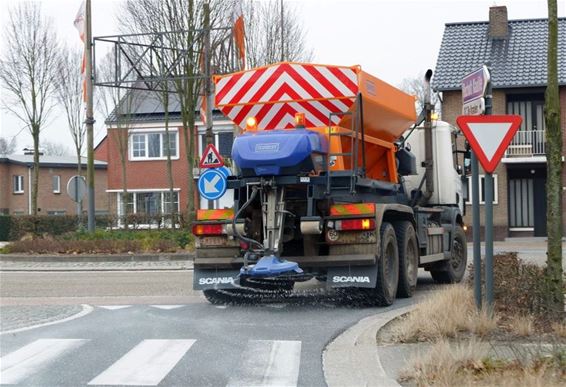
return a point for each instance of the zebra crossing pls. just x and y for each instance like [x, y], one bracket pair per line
[148, 363]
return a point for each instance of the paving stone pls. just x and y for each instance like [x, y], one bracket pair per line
[22, 316]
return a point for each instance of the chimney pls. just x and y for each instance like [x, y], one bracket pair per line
[498, 27]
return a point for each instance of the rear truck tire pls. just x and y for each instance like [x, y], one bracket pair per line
[453, 270]
[387, 266]
[408, 258]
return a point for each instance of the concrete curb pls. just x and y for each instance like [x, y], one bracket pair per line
[97, 257]
[352, 359]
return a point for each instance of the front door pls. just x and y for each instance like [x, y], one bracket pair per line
[527, 198]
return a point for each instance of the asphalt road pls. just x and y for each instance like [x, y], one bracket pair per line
[149, 328]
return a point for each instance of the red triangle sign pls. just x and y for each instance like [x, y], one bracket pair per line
[489, 136]
[211, 158]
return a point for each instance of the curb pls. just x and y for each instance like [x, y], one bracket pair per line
[352, 358]
[97, 258]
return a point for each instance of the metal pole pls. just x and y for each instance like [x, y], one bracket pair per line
[89, 118]
[489, 242]
[476, 231]
[489, 214]
[207, 76]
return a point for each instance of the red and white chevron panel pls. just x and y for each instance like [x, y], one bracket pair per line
[275, 93]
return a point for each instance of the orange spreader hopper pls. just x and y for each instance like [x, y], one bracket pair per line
[273, 94]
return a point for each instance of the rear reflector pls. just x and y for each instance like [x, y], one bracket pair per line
[208, 229]
[354, 224]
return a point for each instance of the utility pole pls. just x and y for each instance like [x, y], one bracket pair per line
[89, 117]
[207, 75]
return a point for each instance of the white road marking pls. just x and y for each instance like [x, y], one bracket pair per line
[113, 307]
[34, 358]
[269, 363]
[86, 310]
[146, 364]
[167, 307]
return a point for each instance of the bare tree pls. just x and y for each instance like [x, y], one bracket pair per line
[7, 147]
[554, 212]
[183, 20]
[69, 94]
[265, 42]
[27, 73]
[118, 107]
[415, 86]
[49, 148]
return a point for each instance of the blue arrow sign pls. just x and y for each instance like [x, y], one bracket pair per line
[212, 184]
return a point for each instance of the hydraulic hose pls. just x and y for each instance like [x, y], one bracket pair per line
[235, 229]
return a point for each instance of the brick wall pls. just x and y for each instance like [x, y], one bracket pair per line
[147, 174]
[47, 200]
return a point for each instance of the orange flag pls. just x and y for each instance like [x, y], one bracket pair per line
[239, 33]
[80, 25]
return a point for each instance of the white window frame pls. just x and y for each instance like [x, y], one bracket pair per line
[469, 202]
[57, 189]
[18, 184]
[146, 133]
[134, 198]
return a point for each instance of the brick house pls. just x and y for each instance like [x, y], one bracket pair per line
[146, 164]
[16, 173]
[516, 51]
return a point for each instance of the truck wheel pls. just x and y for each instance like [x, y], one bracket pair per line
[454, 269]
[408, 258]
[387, 267]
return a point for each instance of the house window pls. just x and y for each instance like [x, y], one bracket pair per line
[147, 146]
[56, 212]
[148, 203]
[56, 184]
[18, 184]
[223, 142]
[468, 200]
[531, 137]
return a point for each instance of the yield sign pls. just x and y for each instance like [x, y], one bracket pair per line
[211, 158]
[489, 136]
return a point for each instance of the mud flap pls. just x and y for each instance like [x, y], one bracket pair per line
[215, 279]
[352, 276]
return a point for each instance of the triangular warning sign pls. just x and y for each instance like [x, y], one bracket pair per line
[489, 136]
[211, 158]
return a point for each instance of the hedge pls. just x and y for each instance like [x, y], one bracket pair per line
[15, 227]
[5, 225]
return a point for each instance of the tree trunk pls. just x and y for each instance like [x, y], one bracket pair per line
[80, 202]
[35, 183]
[554, 168]
[188, 138]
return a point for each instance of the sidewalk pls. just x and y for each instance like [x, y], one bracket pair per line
[100, 265]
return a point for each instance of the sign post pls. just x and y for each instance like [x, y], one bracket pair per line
[489, 136]
[474, 87]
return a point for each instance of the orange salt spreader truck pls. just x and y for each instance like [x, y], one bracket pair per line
[333, 179]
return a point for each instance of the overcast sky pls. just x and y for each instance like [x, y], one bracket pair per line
[391, 39]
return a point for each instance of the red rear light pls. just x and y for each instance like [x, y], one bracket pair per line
[208, 229]
[354, 224]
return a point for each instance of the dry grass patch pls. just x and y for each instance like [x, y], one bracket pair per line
[444, 361]
[522, 325]
[559, 329]
[446, 313]
[467, 364]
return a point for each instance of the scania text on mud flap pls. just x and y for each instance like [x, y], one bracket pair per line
[334, 178]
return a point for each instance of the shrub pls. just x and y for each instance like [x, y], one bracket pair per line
[5, 225]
